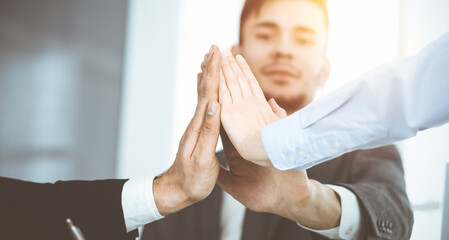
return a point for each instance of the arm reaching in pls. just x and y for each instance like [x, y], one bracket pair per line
[388, 104]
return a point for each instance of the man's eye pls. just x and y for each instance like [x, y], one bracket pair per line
[263, 36]
[304, 41]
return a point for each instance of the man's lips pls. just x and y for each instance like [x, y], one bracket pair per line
[281, 72]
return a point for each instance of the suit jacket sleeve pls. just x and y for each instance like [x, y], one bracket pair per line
[38, 211]
[377, 179]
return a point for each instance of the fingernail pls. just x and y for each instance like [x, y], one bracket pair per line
[211, 108]
[210, 49]
[240, 58]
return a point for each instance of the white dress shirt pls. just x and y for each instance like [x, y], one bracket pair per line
[139, 209]
[390, 103]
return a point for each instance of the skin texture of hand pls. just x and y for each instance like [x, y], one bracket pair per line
[194, 172]
[289, 194]
[244, 111]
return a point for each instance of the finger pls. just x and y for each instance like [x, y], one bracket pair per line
[241, 78]
[190, 136]
[199, 77]
[193, 129]
[203, 64]
[280, 112]
[211, 76]
[206, 88]
[192, 132]
[207, 141]
[206, 59]
[252, 81]
[231, 79]
[224, 95]
[225, 180]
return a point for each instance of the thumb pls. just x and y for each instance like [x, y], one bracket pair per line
[280, 112]
[210, 130]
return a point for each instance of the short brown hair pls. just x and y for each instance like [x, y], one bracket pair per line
[255, 5]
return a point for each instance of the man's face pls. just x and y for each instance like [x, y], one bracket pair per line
[284, 44]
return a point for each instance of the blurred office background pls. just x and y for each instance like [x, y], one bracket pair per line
[105, 88]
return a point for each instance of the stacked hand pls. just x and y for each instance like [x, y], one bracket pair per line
[194, 173]
[245, 110]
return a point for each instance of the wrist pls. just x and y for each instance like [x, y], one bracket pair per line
[254, 145]
[323, 211]
[168, 194]
[319, 207]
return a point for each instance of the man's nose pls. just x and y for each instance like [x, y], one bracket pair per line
[283, 48]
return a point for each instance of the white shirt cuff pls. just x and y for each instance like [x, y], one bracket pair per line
[139, 207]
[350, 221]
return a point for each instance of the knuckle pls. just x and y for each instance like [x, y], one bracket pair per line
[203, 65]
[210, 127]
[212, 72]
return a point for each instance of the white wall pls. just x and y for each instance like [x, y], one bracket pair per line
[149, 74]
[362, 35]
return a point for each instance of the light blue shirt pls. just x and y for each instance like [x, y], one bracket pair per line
[390, 103]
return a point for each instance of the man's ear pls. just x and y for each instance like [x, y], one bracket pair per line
[235, 50]
[325, 71]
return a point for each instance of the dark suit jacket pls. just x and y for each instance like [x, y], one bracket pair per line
[39, 211]
[375, 176]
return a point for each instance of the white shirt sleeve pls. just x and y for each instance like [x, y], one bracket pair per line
[390, 103]
[350, 221]
[139, 207]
